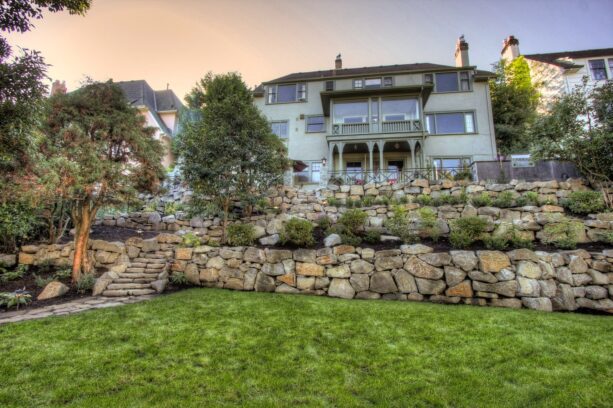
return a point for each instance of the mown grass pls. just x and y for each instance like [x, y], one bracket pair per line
[206, 347]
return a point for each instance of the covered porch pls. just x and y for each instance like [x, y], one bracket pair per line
[376, 160]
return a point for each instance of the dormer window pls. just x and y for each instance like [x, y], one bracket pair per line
[287, 93]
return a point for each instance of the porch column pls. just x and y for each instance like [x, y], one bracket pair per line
[371, 147]
[381, 143]
[331, 156]
[412, 145]
[340, 146]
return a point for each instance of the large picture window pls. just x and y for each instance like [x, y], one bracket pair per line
[311, 174]
[450, 123]
[450, 81]
[351, 112]
[393, 109]
[286, 93]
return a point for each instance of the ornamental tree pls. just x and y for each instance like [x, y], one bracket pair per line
[22, 90]
[227, 149]
[98, 152]
[514, 103]
[579, 128]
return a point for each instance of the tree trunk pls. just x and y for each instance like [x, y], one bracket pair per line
[83, 216]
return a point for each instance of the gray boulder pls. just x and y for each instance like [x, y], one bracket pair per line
[382, 282]
[341, 288]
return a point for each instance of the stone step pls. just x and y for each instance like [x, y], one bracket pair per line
[138, 275]
[128, 292]
[125, 286]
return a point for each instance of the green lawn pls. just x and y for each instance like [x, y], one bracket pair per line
[207, 347]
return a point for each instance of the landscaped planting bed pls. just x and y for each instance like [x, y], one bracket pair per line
[208, 347]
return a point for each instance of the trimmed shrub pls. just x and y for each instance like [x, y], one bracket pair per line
[428, 225]
[481, 200]
[347, 237]
[504, 200]
[190, 240]
[424, 200]
[467, 230]
[563, 235]
[298, 232]
[529, 198]
[240, 234]
[398, 224]
[585, 202]
[372, 237]
[179, 279]
[324, 222]
[86, 283]
[368, 201]
[333, 202]
[353, 220]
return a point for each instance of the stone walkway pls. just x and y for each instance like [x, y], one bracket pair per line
[74, 306]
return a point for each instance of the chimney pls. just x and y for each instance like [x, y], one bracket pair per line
[58, 87]
[510, 48]
[338, 62]
[461, 52]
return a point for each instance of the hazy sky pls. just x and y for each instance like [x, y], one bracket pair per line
[178, 41]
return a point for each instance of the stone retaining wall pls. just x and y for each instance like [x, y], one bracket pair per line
[565, 280]
[289, 202]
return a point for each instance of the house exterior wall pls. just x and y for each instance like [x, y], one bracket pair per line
[170, 119]
[304, 146]
[168, 158]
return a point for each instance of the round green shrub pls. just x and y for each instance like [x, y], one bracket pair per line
[298, 232]
[353, 220]
[585, 202]
[240, 234]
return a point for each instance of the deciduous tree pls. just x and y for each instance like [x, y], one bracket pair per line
[98, 152]
[228, 151]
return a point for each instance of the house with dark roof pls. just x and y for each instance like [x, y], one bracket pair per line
[382, 122]
[557, 73]
[161, 110]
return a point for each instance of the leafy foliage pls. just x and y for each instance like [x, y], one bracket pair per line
[18, 273]
[505, 199]
[228, 149]
[563, 234]
[98, 152]
[179, 279]
[85, 283]
[467, 230]
[14, 299]
[579, 128]
[514, 103]
[372, 237]
[584, 202]
[241, 234]
[298, 232]
[428, 226]
[398, 224]
[190, 240]
[353, 220]
[481, 200]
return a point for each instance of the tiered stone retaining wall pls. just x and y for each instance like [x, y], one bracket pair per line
[311, 205]
[565, 280]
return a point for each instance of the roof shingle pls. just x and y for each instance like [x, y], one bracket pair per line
[561, 58]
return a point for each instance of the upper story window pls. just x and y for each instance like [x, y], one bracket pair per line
[370, 83]
[381, 110]
[373, 83]
[280, 128]
[449, 81]
[329, 85]
[598, 69]
[450, 123]
[315, 124]
[394, 109]
[388, 81]
[287, 93]
[358, 83]
[351, 112]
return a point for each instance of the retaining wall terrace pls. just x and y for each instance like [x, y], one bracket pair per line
[287, 202]
[564, 280]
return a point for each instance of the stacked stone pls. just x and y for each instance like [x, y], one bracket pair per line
[519, 278]
[290, 202]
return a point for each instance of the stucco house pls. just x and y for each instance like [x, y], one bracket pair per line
[557, 73]
[382, 122]
[161, 110]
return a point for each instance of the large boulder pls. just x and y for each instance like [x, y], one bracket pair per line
[537, 303]
[341, 288]
[341, 271]
[404, 280]
[383, 282]
[264, 283]
[361, 266]
[464, 259]
[254, 255]
[309, 269]
[52, 290]
[436, 259]
[493, 261]
[454, 275]
[462, 289]
[332, 240]
[421, 269]
[529, 269]
[430, 287]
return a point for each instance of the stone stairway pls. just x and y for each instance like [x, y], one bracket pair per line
[141, 276]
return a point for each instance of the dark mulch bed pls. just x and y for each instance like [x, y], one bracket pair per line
[115, 234]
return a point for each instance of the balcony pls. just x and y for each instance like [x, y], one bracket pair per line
[353, 176]
[396, 126]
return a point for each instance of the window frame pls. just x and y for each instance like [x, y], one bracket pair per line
[306, 124]
[605, 63]
[463, 159]
[286, 121]
[301, 88]
[329, 89]
[308, 172]
[464, 113]
[429, 78]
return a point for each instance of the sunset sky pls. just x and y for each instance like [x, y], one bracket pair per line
[177, 41]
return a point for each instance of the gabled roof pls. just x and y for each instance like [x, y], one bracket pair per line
[139, 94]
[561, 59]
[376, 70]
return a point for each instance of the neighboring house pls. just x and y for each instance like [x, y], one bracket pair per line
[161, 109]
[382, 122]
[557, 73]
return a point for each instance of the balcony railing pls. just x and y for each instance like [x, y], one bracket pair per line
[395, 126]
[399, 176]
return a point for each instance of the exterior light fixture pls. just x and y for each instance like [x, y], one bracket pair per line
[324, 161]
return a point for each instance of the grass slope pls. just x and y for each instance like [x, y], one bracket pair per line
[207, 347]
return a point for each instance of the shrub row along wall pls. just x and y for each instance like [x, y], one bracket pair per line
[530, 220]
[564, 280]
